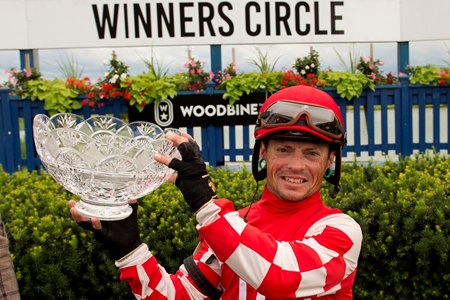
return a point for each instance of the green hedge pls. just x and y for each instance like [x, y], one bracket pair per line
[403, 209]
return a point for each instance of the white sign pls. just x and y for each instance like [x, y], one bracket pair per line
[41, 24]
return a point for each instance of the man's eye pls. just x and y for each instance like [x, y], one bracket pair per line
[282, 149]
[313, 153]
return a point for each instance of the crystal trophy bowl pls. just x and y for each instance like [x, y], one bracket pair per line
[104, 160]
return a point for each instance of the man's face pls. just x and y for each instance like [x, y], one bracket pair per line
[295, 169]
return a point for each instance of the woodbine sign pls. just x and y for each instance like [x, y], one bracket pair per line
[203, 110]
[44, 24]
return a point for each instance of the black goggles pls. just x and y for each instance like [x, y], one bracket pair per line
[289, 113]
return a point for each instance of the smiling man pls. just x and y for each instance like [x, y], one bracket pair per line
[286, 245]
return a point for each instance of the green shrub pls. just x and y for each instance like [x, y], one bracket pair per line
[403, 209]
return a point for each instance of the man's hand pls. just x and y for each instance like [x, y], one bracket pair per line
[118, 237]
[192, 179]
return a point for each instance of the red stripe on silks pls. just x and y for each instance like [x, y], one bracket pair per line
[335, 272]
[334, 239]
[307, 257]
[280, 282]
[227, 232]
[130, 274]
[261, 243]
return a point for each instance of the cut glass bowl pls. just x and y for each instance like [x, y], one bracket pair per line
[104, 160]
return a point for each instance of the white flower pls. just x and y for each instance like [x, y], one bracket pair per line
[114, 78]
[307, 67]
[123, 76]
[313, 65]
[106, 74]
[303, 72]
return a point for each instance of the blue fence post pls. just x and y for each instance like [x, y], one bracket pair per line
[402, 56]
[405, 106]
[215, 133]
[6, 147]
[216, 58]
[28, 59]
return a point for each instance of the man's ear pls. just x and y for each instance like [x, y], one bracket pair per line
[331, 158]
[262, 150]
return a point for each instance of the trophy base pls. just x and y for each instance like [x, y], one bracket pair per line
[102, 212]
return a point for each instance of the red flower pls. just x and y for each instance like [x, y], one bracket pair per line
[127, 95]
[90, 95]
[115, 94]
[107, 86]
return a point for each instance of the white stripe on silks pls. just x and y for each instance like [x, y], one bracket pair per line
[324, 253]
[249, 265]
[144, 279]
[138, 257]
[235, 221]
[207, 214]
[285, 257]
[165, 285]
[312, 282]
[194, 293]
[351, 259]
[242, 289]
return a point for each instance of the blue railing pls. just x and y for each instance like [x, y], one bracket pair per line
[398, 118]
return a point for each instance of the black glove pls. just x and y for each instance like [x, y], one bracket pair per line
[118, 237]
[193, 180]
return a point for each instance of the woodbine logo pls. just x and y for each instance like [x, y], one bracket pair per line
[165, 114]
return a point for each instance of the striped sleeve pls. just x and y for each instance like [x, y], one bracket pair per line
[148, 280]
[317, 265]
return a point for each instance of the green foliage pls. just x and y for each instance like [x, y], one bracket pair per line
[423, 74]
[263, 63]
[402, 207]
[56, 95]
[147, 88]
[348, 85]
[53, 257]
[251, 82]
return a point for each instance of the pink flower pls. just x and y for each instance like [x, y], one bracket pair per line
[200, 71]
[371, 66]
[227, 76]
[13, 80]
[373, 75]
[235, 68]
[192, 72]
[381, 62]
[28, 73]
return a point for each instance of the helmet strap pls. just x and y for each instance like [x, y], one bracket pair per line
[335, 178]
[258, 173]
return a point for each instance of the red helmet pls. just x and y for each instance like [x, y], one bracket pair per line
[300, 112]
